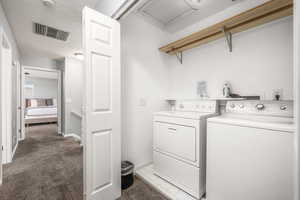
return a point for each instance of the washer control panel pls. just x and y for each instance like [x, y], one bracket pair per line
[207, 106]
[276, 108]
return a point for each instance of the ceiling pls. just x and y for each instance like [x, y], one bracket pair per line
[174, 15]
[65, 15]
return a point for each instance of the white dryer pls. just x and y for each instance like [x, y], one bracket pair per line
[250, 152]
[180, 144]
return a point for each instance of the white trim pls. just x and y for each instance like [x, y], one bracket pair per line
[22, 104]
[59, 103]
[40, 68]
[138, 167]
[15, 149]
[297, 96]
[18, 105]
[75, 136]
[76, 113]
[7, 93]
[125, 9]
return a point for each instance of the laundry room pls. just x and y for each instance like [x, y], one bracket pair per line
[150, 99]
[168, 66]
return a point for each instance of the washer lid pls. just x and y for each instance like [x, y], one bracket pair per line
[285, 124]
[186, 115]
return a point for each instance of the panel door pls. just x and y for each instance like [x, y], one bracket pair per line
[101, 106]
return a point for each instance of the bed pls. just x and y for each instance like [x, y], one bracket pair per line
[40, 111]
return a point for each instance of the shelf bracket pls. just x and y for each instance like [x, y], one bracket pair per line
[179, 56]
[228, 36]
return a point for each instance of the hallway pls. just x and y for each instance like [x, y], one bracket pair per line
[46, 167]
[49, 167]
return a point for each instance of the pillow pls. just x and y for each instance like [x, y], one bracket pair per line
[28, 103]
[34, 103]
[49, 102]
[54, 102]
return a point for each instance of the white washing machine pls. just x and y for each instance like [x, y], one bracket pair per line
[250, 152]
[180, 144]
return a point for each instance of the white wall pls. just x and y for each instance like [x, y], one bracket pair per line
[231, 11]
[73, 82]
[43, 88]
[15, 57]
[261, 61]
[5, 25]
[145, 83]
[38, 61]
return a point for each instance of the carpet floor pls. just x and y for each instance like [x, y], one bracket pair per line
[45, 167]
[49, 167]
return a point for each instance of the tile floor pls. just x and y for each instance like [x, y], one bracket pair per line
[147, 174]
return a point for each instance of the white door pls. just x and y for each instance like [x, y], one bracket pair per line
[14, 108]
[19, 101]
[59, 103]
[6, 87]
[101, 106]
[23, 91]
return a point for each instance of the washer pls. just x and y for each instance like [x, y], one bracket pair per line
[180, 144]
[250, 152]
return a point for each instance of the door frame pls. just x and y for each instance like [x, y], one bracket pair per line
[17, 65]
[59, 97]
[8, 111]
[297, 95]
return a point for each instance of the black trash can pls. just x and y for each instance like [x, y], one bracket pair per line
[127, 174]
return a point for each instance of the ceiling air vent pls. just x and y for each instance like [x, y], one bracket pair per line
[48, 31]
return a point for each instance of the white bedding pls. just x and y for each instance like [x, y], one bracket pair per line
[40, 111]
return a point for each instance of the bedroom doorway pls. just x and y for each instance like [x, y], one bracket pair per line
[41, 99]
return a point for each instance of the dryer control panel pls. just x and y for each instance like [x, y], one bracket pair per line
[270, 108]
[206, 106]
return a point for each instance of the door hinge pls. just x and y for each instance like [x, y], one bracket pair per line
[2, 148]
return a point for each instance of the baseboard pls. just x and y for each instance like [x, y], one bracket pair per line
[14, 151]
[142, 166]
[77, 137]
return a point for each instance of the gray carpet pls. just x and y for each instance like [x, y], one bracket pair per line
[46, 167]
[49, 167]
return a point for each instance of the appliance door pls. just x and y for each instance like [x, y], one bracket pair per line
[248, 163]
[178, 141]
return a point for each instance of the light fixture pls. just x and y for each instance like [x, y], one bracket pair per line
[79, 55]
[194, 4]
[49, 3]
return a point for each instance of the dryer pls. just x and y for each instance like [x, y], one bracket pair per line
[180, 144]
[250, 152]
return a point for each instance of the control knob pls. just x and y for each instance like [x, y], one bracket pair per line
[260, 106]
[283, 107]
